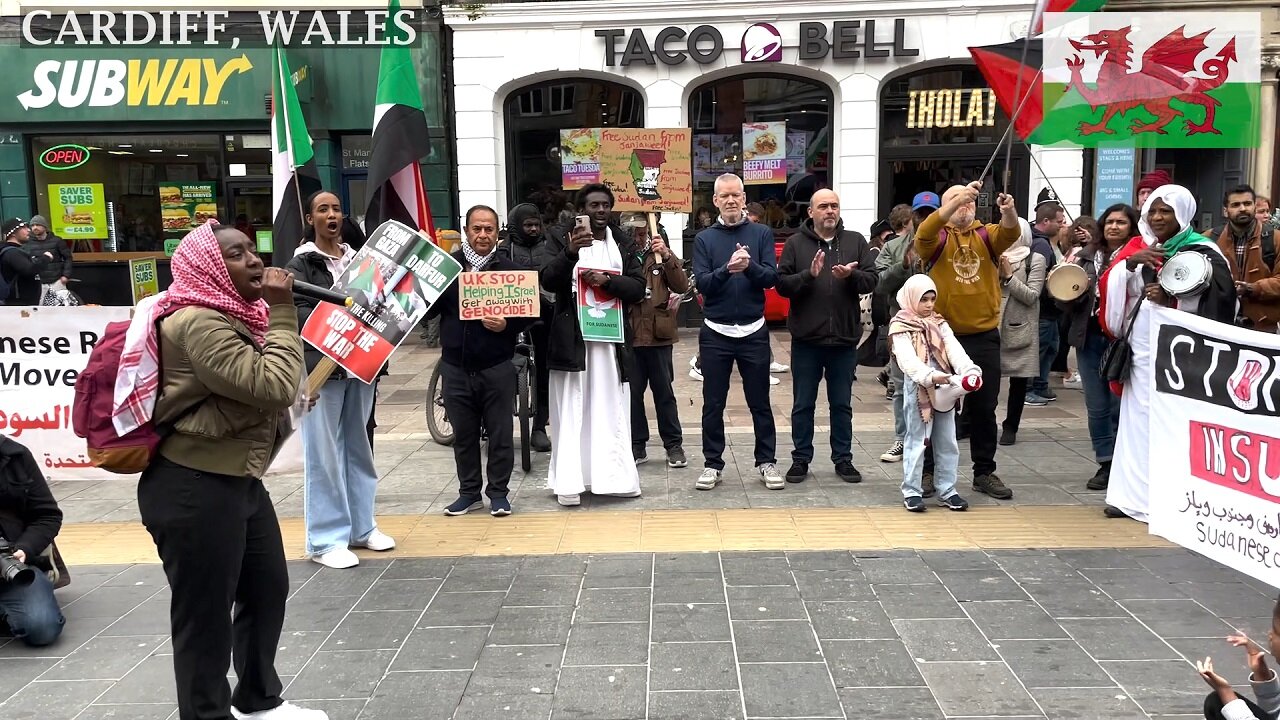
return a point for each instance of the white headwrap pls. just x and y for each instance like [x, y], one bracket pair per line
[1176, 197]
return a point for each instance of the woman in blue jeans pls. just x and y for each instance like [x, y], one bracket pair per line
[1119, 223]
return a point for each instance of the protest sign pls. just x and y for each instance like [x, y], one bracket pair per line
[600, 314]
[393, 280]
[1214, 456]
[579, 157]
[649, 170]
[503, 293]
[143, 278]
[764, 153]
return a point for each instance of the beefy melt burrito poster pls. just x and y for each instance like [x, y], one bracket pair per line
[393, 280]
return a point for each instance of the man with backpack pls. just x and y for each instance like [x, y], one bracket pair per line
[1251, 252]
[19, 271]
[961, 256]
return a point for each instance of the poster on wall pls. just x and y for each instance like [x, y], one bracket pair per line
[797, 149]
[1113, 176]
[649, 170]
[764, 153]
[186, 205]
[1215, 440]
[579, 157]
[78, 212]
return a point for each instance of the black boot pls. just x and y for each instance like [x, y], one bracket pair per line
[1101, 478]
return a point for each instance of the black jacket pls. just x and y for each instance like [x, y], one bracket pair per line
[467, 343]
[825, 310]
[1043, 244]
[566, 350]
[60, 265]
[21, 272]
[29, 516]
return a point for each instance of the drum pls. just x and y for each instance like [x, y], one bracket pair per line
[1185, 274]
[1066, 282]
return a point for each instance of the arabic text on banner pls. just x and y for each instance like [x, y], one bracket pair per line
[502, 293]
[1215, 441]
[764, 153]
[600, 315]
[394, 279]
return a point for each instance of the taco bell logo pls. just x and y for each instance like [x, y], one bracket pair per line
[761, 43]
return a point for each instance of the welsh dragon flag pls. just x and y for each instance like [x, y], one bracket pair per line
[292, 178]
[400, 140]
[1184, 80]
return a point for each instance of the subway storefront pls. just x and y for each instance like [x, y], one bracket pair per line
[124, 151]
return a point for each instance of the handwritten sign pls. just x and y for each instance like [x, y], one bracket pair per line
[510, 293]
[143, 278]
[1214, 457]
[649, 170]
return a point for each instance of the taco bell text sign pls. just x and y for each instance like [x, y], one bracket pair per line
[761, 43]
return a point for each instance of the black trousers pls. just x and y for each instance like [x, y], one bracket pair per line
[219, 541]
[652, 368]
[979, 412]
[1015, 403]
[718, 353]
[476, 399]
[542, 404]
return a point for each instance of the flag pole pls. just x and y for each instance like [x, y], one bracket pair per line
[1036, 12]
[1012, 122]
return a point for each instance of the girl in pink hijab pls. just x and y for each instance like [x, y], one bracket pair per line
[936, 373]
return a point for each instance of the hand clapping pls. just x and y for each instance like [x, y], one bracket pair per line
[842, 272]
[740, 260]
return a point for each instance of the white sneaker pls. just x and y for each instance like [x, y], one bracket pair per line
[894, 454]
[1073, 381]
[774, 381]
[378, 541]
[695, 373]
[777, 367]
[709, 478]
[284, 711]
[569, 500]
[632, 494]
[771, 478]
[339, 559]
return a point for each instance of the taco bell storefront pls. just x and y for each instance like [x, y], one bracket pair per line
[879, 103]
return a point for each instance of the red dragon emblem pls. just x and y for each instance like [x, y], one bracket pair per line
[1163, 76]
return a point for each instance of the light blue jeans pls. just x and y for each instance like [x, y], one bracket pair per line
[340, 480]
[899, 423]
[942, 437]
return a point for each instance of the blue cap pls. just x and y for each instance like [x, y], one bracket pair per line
[926, 199]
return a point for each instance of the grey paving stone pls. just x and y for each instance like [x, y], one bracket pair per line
[917, 601]
[1229, 599]
[342, 583]
[56, 700]
[1038, 568]
[756, 569]
[151, 681]
[109, 601]
[977, 689]
[1160, 686]
[1118, 639]
[789, 690]
[1177, 618]
[531, 626]
[372, 630]
[317, 612]
[554, 565]
[890, 703]
[942, 560]
[418, 568]
[529, 706]
[544, 590]
[1087, 704]
[871, 663]
[688, 588]
[1014, 620]
[1130, 584]
[151, 574]
[399, 594]
[897, 569]
[339, 709]
[775, 641]
[160, 711]
[690, 623]
[686, 563]
[441, 649]
[682, 705]
[104, 658]
[608, 644]
[294, 651]
[981, 585]
[850, 620]
[1053, 663]
[1101, 558]
[692, 666]
[614, 605]
[821, 560]
[457, 609]
[952, 641]
[833, 585]
[149, 618]
[516, 670]
[765, 603]
[1228, 661]
[419, 695]
[601, 693]
[604, 571]
[1074, 599]
[341, 675]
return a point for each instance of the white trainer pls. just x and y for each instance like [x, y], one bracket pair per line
[569, 500]
[773, 380]
[696, 374]
[709, 478]
[777, 367]
[771, 478]
[339, 559]
[378, 541]
[283, 711]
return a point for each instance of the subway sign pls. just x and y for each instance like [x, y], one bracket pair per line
[64, 157]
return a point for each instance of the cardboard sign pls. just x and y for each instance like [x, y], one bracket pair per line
[599, 314]
[764, 153]
[649, 170]
[143, 278]
[503, 293]
[394, 279]
[83, 213]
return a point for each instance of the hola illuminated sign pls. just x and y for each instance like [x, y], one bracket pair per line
[951, 108]
[64, 157]
[155, 82]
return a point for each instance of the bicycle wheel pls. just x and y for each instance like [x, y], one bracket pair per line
[524, 412]
[437, 418]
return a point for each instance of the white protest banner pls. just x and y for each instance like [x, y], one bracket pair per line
[42, 351]
[1214, 457]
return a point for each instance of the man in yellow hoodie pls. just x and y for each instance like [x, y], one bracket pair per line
[962, 256]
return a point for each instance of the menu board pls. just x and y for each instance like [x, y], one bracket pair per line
[649, 170]
[78, 212]
[797, 148]
[764, 153]
[579, 157]
[186, 205]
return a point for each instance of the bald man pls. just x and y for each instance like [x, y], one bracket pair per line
[824, 268]
[961, 255]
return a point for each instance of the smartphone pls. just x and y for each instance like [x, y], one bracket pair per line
[583, 221]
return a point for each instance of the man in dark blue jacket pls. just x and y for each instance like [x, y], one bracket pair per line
[735, 261]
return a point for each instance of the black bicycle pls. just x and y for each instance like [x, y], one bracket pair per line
[522, 405]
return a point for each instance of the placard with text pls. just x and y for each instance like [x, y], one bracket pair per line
[764, 153]
[78, 211]
[501, 293]
[649, 170]
[600, 315]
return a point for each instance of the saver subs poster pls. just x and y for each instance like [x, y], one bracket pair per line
[394, 279]
[78, 212]
[649, 170]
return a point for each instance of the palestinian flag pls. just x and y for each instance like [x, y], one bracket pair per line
[1179, 80]
[1002, 66]
[400, 140]
[292, 177]
[1059, 6]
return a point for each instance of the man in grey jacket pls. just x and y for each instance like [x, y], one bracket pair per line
[41, 241]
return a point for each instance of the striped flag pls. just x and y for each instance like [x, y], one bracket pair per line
[1057, 6]
[400, 140]
[291, 153]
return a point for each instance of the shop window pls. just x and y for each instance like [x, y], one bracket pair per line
[535, 115]
[717, 112]
[947, 106]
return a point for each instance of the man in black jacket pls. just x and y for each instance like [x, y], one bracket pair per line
[524, 246]
[479, 379]
[824, 268]
[18, 270]
[30, 519]
[43, 240]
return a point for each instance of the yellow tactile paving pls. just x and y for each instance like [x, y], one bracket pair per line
[682, 531]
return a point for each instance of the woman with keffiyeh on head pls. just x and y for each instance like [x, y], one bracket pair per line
[217, 359]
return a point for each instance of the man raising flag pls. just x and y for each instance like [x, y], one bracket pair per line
[400, 140]
[290, 150]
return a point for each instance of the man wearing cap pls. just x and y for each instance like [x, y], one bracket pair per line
[1048, 221]
[41, 241]
[18, 270]
[1148, 184]
[961, 255]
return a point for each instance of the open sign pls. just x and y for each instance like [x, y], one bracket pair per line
[64, 157]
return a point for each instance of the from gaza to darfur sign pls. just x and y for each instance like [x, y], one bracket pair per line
[393, 279]
[1214, 458]
[648, 170]
[502, 293]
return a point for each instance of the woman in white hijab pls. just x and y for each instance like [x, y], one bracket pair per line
[1022, 274]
